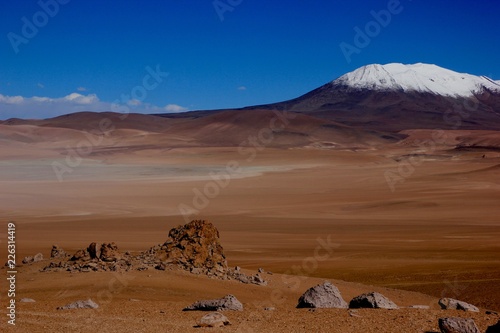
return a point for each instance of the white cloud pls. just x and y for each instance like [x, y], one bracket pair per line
[174, 108]
[81, 89]
[40, 85]
[11, 99]
[81, 99]
[46, 107]
[242, 88]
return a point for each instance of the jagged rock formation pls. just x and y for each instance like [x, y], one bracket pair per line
[194, 246]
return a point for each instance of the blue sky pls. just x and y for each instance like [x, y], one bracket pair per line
[94, 55]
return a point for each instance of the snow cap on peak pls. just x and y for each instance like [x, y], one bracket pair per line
[417, 77]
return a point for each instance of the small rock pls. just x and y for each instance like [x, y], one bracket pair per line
[490, 312]
[38, 257]
[324, 295]
[161, 267]
[237, 269]
[354, 313]
[269, 309]
[57, 252]
[87, 304]
[228, 302]
[372, 300]
[27, 300]
[422, 307]
[214, 319]
[458, 325]
[453, 304]
[196, 271]
[28, 260]
[261, 270]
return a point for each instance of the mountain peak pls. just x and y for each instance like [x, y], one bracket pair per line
[417, 77]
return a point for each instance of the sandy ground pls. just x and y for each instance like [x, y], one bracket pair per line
[434, 233]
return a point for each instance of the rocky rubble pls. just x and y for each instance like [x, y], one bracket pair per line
[194, 247]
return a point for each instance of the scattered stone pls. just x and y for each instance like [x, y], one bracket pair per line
[134, 300]
[324, 295]
[27, 260]
[57, 252]
[237, 269]
[270, 308]
[38, 257]
[490, 312]
[372, 300]
[87, 304]
[214, 319]
[422, 307]
[494, 328]
[261, 270]
[32, 259]
[228, 302]
[27, 300]
[453, 304]
[196, 271]
[109, 252]
[458, 325]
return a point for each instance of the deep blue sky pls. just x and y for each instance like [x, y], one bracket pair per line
[263, 51]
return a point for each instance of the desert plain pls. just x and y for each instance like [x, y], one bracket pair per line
[412, 222]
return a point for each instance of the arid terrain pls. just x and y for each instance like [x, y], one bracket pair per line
[415, 222]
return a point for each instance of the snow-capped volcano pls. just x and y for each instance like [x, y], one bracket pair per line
[395, 97]
[417, 78]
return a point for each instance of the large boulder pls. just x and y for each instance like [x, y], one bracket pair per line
[324, 295]
[372, 300]
[228, 302]
[194, 245]
[458, 325]
[453, 304]
[214, 319]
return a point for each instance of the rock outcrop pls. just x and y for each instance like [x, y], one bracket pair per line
[372, 300]
[324, 295]
[453, 304]
[195, 245]
[458, 325]
[227, 303]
